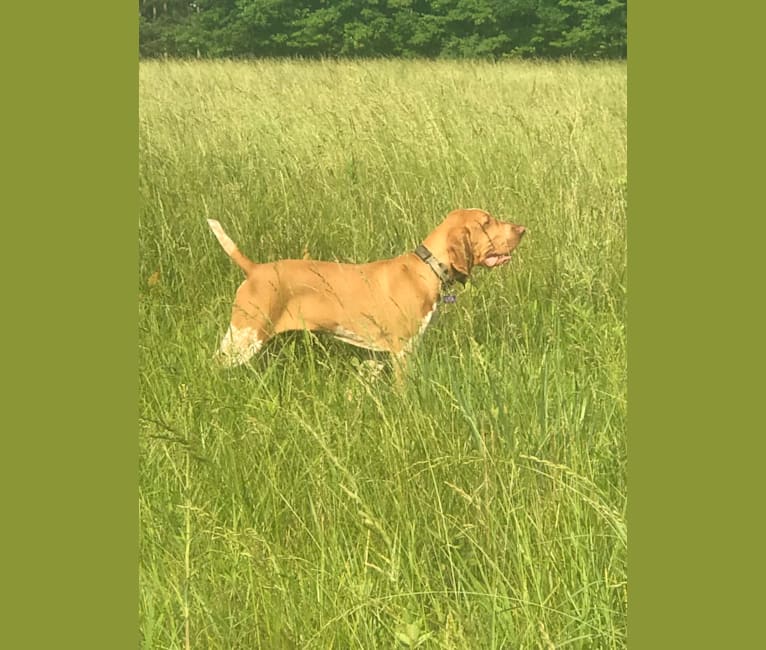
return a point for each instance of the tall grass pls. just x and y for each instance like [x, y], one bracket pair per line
[294, 503]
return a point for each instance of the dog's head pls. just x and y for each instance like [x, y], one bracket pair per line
[476, 238]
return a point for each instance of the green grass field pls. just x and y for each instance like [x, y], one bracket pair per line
[291, 503]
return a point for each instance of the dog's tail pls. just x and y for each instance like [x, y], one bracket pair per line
[230, 247]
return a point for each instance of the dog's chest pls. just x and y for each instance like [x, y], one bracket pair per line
[426, 321]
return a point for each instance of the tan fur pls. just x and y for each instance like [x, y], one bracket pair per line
[382, 305]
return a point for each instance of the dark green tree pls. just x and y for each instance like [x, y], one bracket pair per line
[380, 28]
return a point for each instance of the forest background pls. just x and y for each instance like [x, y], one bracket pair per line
[491, 29]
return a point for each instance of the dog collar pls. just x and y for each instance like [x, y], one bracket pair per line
[441, 271]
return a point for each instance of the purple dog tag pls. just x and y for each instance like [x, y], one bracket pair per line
[449, 298]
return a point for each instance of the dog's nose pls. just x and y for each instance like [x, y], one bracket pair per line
[520, 229]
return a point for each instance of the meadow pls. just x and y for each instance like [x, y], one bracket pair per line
[295, 502]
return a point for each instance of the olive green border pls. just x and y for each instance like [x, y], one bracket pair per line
[694, 241]
[70, 256]
[69, 229]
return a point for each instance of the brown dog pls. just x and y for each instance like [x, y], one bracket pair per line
[383, 306]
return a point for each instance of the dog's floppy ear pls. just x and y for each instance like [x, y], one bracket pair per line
[460, 252]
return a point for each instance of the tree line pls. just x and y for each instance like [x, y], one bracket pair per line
[493, 29]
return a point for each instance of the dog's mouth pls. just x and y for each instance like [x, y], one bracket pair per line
[495, 259]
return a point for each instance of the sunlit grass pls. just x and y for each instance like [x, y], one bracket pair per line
[290, 503]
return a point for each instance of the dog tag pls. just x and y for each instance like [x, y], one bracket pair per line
[449, 298]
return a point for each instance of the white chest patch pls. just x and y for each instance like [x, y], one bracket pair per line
[426, 321]
[423, 325]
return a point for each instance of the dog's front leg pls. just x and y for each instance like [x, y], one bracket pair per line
[400, 363]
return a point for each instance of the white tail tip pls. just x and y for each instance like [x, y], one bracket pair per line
[228, 245]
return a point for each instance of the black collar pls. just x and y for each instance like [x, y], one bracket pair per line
[441, 271]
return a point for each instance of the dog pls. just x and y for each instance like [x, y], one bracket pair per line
[383, 306]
